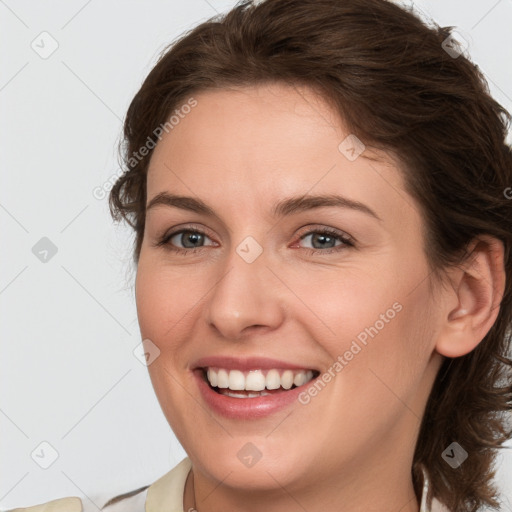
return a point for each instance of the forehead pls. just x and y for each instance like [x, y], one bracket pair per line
[266, 141]
[239, 120]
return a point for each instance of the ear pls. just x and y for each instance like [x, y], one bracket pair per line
[473, 304]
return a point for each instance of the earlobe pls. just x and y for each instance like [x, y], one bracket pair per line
[478, 288]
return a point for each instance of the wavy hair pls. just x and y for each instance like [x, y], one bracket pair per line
[390, 77]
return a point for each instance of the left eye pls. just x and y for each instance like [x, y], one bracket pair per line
[324, 239]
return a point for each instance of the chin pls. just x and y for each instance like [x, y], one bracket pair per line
[249, 463]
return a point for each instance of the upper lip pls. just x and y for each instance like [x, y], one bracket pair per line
[246, 363]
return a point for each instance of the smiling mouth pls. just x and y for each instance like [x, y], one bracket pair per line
[255, 383]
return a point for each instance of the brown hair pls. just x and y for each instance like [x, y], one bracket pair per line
[388, 75]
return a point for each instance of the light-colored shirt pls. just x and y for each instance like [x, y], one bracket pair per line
[164, 495]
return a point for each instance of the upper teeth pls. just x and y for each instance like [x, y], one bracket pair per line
[257, 380]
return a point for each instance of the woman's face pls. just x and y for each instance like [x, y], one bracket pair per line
[253, 282]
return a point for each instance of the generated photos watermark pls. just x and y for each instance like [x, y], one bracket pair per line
[355, 348]
[101, 191]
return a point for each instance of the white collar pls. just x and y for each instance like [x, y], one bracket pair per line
[167, 492]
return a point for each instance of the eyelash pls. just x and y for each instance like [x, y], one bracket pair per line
[346, 241]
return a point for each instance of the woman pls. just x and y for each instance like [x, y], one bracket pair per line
[318, 190]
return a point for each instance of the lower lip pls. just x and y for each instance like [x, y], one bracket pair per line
[246, 408]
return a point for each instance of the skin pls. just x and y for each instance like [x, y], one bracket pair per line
[351, 447]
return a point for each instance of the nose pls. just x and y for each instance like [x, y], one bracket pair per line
[245, 297]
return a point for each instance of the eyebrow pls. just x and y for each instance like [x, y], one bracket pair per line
[283, 208]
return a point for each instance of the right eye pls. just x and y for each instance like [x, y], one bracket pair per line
[189, 238]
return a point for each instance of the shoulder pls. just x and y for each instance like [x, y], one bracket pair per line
[134, 500]
[437, 506]
[164, 493]
[72, 504]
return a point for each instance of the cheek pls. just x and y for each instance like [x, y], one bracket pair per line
[348, 304]
[392, 350]
[163, 299]
[375, 323]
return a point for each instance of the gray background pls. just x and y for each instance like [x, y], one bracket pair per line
[68, 374]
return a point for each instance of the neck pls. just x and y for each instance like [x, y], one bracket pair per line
[382, 490]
